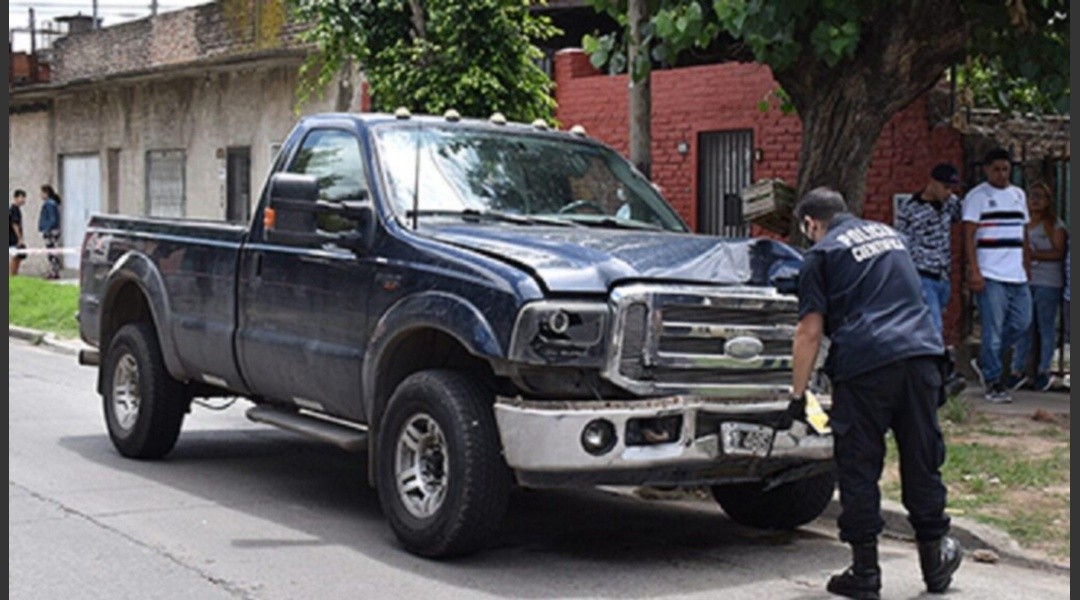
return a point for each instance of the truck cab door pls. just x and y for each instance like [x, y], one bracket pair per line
[302, 307]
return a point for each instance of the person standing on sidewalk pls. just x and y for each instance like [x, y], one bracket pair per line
[859, 286]
[49, 226]
[1046, 235]
[926, 219]
[16, 239]
[996, 243]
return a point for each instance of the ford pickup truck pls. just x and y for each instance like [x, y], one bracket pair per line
[468, 305]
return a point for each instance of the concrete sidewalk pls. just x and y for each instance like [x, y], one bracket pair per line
[1025, 402]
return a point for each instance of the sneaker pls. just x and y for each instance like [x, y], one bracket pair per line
[997, 394]
[1015, 381]
[1043, 382]
[978, 372]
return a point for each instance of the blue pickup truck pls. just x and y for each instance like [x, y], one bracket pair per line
[468, 305]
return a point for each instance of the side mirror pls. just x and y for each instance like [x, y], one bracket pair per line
[293, 187]
[295, 215]
[291, 197]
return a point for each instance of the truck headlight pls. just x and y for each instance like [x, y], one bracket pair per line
[568, 333]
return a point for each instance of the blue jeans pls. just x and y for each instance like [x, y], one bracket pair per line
[936, 293]
[1045, 302]
[1005, 314]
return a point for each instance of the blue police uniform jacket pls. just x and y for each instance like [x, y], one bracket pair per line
[861, 278]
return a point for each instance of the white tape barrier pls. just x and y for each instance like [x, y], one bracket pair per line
[12, 250]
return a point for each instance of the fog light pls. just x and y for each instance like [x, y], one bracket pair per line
[598, 437]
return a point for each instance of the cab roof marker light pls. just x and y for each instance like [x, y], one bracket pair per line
[498, 118]
[540, 124]
[578, 130]
[452, 115]
[402, 113]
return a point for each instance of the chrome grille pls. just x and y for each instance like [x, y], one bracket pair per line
[675, 339]
[630, 360]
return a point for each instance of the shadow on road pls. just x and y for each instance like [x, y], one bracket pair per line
[549, 546]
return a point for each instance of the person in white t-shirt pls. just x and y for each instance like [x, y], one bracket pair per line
[996, 243]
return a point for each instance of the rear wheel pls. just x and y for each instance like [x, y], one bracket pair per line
[784, 507]
[442, 481]
[144, 406]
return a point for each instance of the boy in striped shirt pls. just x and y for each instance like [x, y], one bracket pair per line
[995, 236]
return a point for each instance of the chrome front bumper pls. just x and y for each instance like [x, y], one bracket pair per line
[545, 436]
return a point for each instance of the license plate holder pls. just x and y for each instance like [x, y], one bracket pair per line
[746, 439]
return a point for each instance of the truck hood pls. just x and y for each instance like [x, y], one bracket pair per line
[592, 260]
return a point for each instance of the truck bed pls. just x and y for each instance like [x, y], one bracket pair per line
[187, 268]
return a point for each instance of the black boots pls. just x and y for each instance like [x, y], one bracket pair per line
[862, 580]
[939, 559]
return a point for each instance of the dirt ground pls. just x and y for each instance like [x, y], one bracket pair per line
[1010, 471]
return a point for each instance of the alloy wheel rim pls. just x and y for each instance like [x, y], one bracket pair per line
[126, 398]
[422, 466]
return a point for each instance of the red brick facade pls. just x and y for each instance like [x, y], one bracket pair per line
[693, 100]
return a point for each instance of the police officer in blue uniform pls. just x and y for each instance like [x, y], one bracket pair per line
[859, 286]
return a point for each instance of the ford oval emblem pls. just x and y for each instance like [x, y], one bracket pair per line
[743, 347]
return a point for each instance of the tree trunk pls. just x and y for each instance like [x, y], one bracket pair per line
[839, 134]
[640, 93]
[419, 24]
[904, 52]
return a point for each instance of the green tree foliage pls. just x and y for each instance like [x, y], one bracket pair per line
[475, 56]
[1018, 59]
[1018, 50]
[847, 66]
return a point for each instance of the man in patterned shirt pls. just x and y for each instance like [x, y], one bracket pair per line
[926, 220]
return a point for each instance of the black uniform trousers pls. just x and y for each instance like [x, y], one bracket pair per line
[903, 396]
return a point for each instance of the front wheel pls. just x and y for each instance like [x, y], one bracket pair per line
[442, 482]
[144, 406]
[784, 507]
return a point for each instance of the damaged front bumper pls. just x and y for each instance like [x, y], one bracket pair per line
[675, 439]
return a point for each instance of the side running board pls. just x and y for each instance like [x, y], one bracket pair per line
[344, 437]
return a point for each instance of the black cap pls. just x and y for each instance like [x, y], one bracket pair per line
[946, 173]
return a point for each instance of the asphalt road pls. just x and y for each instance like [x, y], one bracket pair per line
[240, 510]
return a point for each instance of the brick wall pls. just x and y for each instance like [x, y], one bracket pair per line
[214, 30]
[693, 100]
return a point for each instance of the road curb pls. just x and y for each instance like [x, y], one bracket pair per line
[46, 340]
[972, 536]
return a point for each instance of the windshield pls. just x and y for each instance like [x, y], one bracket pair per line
[470, 172]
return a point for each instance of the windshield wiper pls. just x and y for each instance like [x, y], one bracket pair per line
[614, 223]
[472, 214]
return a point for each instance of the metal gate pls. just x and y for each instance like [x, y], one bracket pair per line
[725, 167]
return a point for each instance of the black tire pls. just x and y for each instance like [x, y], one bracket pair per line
[784, 507]
[161, 401]
[476, 484]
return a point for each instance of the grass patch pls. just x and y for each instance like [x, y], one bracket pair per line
[1009, 472]
[43, 305]
[975, 462]
[957, 409]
